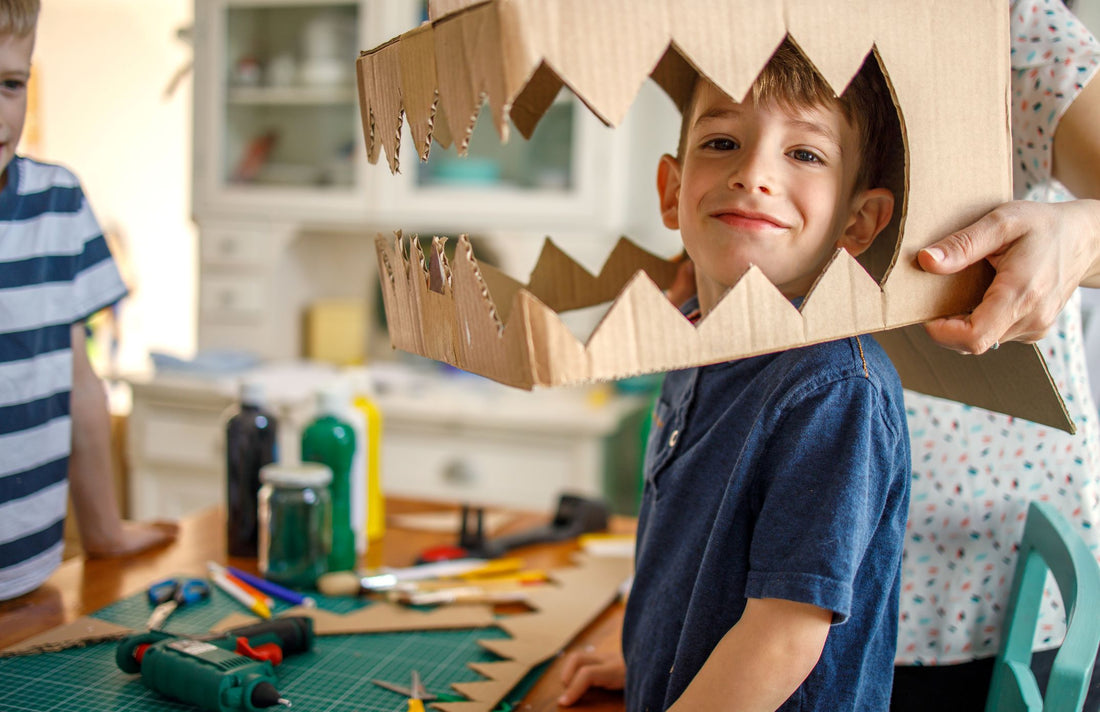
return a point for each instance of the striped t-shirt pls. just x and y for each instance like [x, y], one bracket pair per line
[55, 271]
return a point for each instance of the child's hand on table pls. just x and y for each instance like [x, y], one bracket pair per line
[591, 668]
[133, 538]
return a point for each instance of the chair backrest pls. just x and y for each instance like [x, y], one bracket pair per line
[1049, 543]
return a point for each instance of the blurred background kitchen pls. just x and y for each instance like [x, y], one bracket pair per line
[220, 144]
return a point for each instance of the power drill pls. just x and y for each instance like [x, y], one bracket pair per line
[231, 672]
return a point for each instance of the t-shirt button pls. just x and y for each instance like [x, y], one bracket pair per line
[673, 438]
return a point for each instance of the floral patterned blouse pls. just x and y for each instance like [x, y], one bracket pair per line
[974, 472]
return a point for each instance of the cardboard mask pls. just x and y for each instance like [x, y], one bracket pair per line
[946, 66]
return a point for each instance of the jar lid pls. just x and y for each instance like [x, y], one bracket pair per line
[305, 474]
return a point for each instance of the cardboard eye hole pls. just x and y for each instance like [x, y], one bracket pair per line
[879, 259]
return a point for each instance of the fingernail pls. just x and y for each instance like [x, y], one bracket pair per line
[935, 253]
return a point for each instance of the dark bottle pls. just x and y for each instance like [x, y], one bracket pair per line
[250, 443]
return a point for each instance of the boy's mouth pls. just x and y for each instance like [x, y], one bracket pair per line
[749, 220]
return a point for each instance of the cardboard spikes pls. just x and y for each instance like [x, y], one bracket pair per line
[946, 67]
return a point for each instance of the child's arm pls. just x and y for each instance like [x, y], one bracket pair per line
[762, 660]
[103, 532]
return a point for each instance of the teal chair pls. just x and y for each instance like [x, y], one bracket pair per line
[1049, 543]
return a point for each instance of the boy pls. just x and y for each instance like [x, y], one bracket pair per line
[776, 493]
[55, 271]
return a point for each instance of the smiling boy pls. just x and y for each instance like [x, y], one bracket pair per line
[55, 271]
[776, 490]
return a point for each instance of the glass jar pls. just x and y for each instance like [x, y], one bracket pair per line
[295, 513]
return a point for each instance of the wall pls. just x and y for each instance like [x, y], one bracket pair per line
[1089, 12]
[102, 67]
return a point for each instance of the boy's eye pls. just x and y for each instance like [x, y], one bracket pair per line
[722, 144]
[14, 84]
[807, 156]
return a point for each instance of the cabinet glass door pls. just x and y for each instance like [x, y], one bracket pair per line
[290, 96]
[544, 163]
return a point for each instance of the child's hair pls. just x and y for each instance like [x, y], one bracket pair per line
[790, 80]
[18, 17]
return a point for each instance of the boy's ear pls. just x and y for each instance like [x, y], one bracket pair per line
[871, 212]
[668, 190]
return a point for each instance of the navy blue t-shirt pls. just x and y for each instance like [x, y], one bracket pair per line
[780, 476]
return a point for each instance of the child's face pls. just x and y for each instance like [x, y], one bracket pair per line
[15, 70]
[764, 185]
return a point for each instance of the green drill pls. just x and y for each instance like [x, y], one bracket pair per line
[233, 672]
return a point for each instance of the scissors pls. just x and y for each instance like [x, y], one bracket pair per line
[170, 594]
[416, 693]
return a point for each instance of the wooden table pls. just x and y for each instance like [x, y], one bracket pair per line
[81, 586]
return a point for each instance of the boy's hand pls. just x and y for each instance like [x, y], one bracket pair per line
[591, 668]
[133, 538]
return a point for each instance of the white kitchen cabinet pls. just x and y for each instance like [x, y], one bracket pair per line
[444, 438]
[279, 164]
[176, 445]
[491, 445]
[276, 111]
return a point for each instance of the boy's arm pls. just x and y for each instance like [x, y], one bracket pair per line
[102, 530]
[762, 660]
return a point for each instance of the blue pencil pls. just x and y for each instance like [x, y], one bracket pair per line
[273, 589]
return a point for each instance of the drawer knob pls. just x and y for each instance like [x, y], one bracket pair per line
[459, 472]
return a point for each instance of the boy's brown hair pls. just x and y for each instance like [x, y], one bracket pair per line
[18, 17]
[790, 80]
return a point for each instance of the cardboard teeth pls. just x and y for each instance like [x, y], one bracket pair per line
[945, 65]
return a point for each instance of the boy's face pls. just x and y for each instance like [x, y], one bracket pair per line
[763, 185]
[15, 70]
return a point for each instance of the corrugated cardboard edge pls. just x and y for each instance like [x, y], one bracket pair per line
[643, 332]
[562, 611]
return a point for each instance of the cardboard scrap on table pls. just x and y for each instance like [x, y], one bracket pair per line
[561, 610]
[81, 632]
[379, 617]
[945, 64]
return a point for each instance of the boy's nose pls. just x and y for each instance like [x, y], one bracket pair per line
[753, 174]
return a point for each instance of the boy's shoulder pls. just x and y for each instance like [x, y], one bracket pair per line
[34, 176]
[855, 356]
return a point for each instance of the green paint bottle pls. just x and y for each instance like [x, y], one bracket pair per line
[330, 441]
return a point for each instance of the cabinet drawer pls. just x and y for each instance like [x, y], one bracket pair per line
[177, 439]
[171, 492]
[232, 246]
[513, 472]
[232, 295]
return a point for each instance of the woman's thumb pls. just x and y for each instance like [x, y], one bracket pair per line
[960, 249]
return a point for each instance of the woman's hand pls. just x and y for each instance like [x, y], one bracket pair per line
[1041, 252]
[591, 668]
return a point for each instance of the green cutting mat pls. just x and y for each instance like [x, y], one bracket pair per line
[334, 677]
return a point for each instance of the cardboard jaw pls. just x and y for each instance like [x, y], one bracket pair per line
[946, 67]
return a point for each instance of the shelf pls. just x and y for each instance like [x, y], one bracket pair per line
[290, 3]
[291, 96]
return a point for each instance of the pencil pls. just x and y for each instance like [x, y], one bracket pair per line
[237, 593]
[267, 600]
[273, 589]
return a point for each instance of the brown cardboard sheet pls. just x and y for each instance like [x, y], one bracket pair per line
[946, 65]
